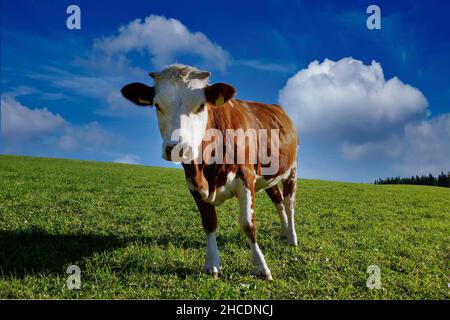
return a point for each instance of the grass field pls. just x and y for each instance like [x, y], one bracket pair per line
[135, 232]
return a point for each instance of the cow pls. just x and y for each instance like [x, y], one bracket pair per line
[187, 104]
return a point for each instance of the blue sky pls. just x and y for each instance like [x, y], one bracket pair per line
[61, 88]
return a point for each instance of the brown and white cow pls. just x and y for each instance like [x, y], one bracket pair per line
[188, 105]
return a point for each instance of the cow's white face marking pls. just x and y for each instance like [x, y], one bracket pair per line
[181, 108]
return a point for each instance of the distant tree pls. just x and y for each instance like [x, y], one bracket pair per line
[442, 180]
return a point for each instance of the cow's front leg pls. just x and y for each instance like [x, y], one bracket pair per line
[246, 196]
[212, 264]
[209, 222]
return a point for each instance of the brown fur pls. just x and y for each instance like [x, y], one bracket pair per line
[245, 115]
[290, 183]
[274, 194]
[207, 212]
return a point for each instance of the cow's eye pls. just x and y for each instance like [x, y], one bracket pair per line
[201, 108]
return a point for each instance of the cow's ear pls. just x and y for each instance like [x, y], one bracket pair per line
[219, 93]
[139, 93]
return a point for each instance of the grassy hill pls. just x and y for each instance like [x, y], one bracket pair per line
[135, 232]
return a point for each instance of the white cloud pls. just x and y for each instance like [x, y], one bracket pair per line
[351, 105]
[93, 85]
[129, 159]
[19, 91]
[98, 81]
[19, 122]
[164, 39]
[90, 137]
[21, 125]
[427, 147]
[105, 69]
[347, 100]
[26, 90]
[264, 66]
[390, 148]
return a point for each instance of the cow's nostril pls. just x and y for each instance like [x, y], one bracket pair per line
[168, 148]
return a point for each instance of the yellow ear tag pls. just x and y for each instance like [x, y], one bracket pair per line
[220, 101]
[143, 101]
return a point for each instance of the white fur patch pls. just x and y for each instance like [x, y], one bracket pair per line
[225, 192]
[261, 183]
[245, 201]
[245, 219]
[212, 264]
[259, 261]
[179, 93]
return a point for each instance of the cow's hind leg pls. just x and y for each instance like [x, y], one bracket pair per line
[246, 196]
[209, 222]
[277, 198]
[289, 188]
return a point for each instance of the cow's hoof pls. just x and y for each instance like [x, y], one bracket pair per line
[212, 270]
[264, 274]
[292, 239]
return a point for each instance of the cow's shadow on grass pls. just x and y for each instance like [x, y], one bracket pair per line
[39, 252]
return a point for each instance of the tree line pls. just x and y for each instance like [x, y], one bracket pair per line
[442, 180]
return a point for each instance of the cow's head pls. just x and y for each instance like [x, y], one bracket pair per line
[182, 96]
